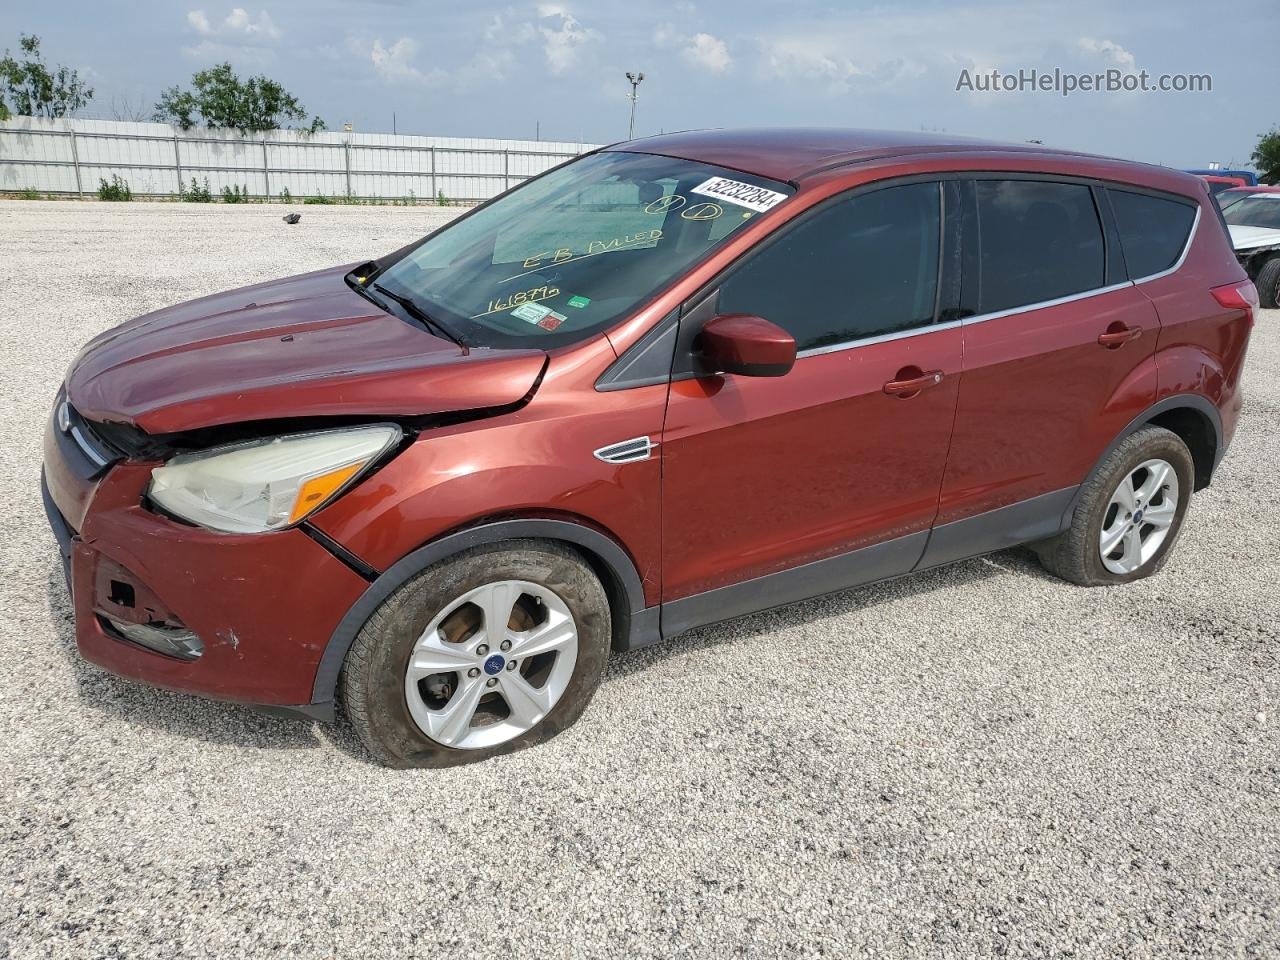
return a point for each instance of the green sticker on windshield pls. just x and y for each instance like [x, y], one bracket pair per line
[579, 302]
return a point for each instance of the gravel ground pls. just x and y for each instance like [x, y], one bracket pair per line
[976, 761]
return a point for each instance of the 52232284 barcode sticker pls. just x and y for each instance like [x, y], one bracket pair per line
[746, 195]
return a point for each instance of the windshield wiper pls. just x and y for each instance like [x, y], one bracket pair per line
[415, 311]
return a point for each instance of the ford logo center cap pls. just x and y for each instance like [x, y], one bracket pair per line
[493, 666]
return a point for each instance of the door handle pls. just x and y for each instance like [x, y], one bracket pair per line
[908, 383]
[1118, 335]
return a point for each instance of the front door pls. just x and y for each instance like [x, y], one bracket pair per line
[831, 472]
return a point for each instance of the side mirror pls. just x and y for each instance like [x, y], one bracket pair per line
[745, 344]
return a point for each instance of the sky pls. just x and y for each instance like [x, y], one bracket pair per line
[556, 69]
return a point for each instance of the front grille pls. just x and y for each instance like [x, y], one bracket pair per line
[85, 450]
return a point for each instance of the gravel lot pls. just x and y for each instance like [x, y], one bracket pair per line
[977, 761]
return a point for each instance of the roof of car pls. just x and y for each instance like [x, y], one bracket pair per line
[790, 153]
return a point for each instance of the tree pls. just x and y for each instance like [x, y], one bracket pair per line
[1266, 156]
[129, 109]
[33, 90]
[219, 98]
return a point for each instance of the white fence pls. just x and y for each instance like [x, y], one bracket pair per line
[71, 156]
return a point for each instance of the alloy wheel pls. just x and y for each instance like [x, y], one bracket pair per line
[491, 665]
[1139, 516]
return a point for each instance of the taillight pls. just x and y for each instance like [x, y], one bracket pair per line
[1238, 296]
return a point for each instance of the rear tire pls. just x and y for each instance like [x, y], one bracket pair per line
[1121, 530]
[439, 676]
[1268, 284]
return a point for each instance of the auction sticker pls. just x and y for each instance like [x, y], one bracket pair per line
[532, 312]
[743, 194]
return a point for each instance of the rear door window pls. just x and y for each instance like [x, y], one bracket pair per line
[1039, 241]
[1153, 230]
[862, 267]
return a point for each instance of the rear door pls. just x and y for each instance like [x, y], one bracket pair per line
[1055, 351]
[762, 475]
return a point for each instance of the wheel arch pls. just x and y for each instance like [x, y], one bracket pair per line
[1199, 430]
[634, 624]
[1189, 415]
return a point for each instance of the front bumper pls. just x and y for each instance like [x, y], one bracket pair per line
[1251, 259]
[263, 605]
[61, 530]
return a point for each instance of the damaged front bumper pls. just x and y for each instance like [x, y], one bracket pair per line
[233, 617]
[1252, 258]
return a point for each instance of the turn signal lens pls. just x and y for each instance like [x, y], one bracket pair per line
[319, 489]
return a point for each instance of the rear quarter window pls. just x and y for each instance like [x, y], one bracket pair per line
[1153, 230]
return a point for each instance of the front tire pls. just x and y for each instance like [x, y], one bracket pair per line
[490, 651]
[1128, 514]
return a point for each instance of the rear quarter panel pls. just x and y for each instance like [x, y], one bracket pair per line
[1201, 348]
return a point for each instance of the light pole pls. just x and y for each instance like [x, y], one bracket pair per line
[634, 79]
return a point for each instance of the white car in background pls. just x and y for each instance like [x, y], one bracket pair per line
[1254, 222]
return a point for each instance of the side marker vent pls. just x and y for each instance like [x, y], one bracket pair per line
[626, 451]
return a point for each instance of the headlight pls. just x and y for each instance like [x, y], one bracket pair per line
[267, 484]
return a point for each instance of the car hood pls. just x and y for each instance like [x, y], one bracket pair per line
[304, 346]
[1247, 238]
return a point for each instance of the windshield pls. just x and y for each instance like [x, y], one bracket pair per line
[1254, 212]
[1227, 197]
[572, 251]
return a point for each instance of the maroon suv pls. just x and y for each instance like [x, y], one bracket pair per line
[673, 381]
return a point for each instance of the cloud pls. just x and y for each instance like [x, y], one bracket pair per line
[395, 63]
[562, 37]
[503, 27]
[494, 28]
[239, 23]
[481, 69]
[908, 52]
[1108, 50]
[801, 58]
[709, 53]
[212, 51]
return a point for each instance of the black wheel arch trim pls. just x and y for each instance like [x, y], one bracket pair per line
[1178, 401]
[634, 622]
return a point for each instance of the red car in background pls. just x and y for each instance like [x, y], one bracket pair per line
[673, 381]
[1218, 184]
